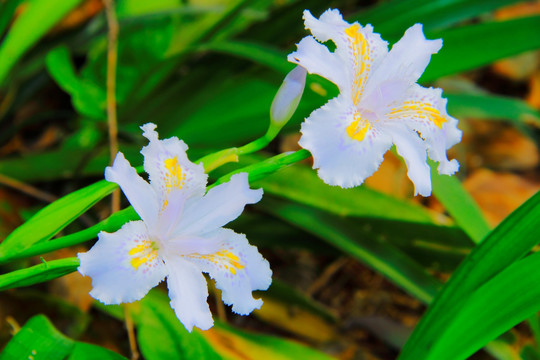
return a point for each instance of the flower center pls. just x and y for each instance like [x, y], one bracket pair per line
[358, 129]
[143, 253]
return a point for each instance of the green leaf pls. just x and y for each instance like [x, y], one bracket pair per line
[262, 347]
[111, 224]
[84, 351]
[38, 17]
[38, 339]
[261, 54]
[472, 46]
[459, 203]
[378, 255]
[492, 107]
[392, 18]
[506, 244]
[501, 303]
[162, 336]
[89, 99]
[39, 273]
[54, 217]
[301, 184]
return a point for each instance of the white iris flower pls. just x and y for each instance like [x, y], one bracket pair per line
[379, 104]
[180, 237]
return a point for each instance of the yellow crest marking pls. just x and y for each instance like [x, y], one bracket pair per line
[358, 129]
[143, 253]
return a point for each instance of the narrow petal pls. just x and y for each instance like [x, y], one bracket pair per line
[317, 59]
[218, 207]
[139, 193]
[238, 269]
[412, 149]
[407, 60]
[188, 292]
[424, 111]
[167, 164]
[123, 265]
[343, 156]
[358, 49]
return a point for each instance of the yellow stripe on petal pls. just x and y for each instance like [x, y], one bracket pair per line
[418, 110]
[224, 258]
[359, 47]
[358, 129]
[175, 177]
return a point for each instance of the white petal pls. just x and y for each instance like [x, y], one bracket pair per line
[218, 207]
[406, 61]
[123, 265]
[167, 164]
[412, 149]
[317, 59]
[188, 292]
[238, 269]
[139, 193]
[358, 49]
[327, 27]
[424, 110]
[340, 159]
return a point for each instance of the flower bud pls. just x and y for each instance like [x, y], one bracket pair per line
[288, 97]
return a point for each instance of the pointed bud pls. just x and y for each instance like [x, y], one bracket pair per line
[288, 97]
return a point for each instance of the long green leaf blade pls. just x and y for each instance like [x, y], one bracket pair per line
[38, 17]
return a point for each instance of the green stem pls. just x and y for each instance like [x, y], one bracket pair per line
[215, 160]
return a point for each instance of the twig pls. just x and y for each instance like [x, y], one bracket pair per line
[112, 60]
[330, 270]
[27, 189]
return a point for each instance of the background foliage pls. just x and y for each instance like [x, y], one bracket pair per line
[353, 269]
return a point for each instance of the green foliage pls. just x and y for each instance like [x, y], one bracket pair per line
[38, 339]
[167, 74]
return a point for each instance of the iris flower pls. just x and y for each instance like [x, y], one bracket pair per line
[179, 236]
[379, 104]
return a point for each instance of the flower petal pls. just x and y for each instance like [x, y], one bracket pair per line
[341, 159]
[238, 269]
[218, 207]
[425, 111]
[317, 59]
[358, 49]
[188, 292]
[167, 164]
[412, 149]
[139, 193]
[406, 61]
[123, 265]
